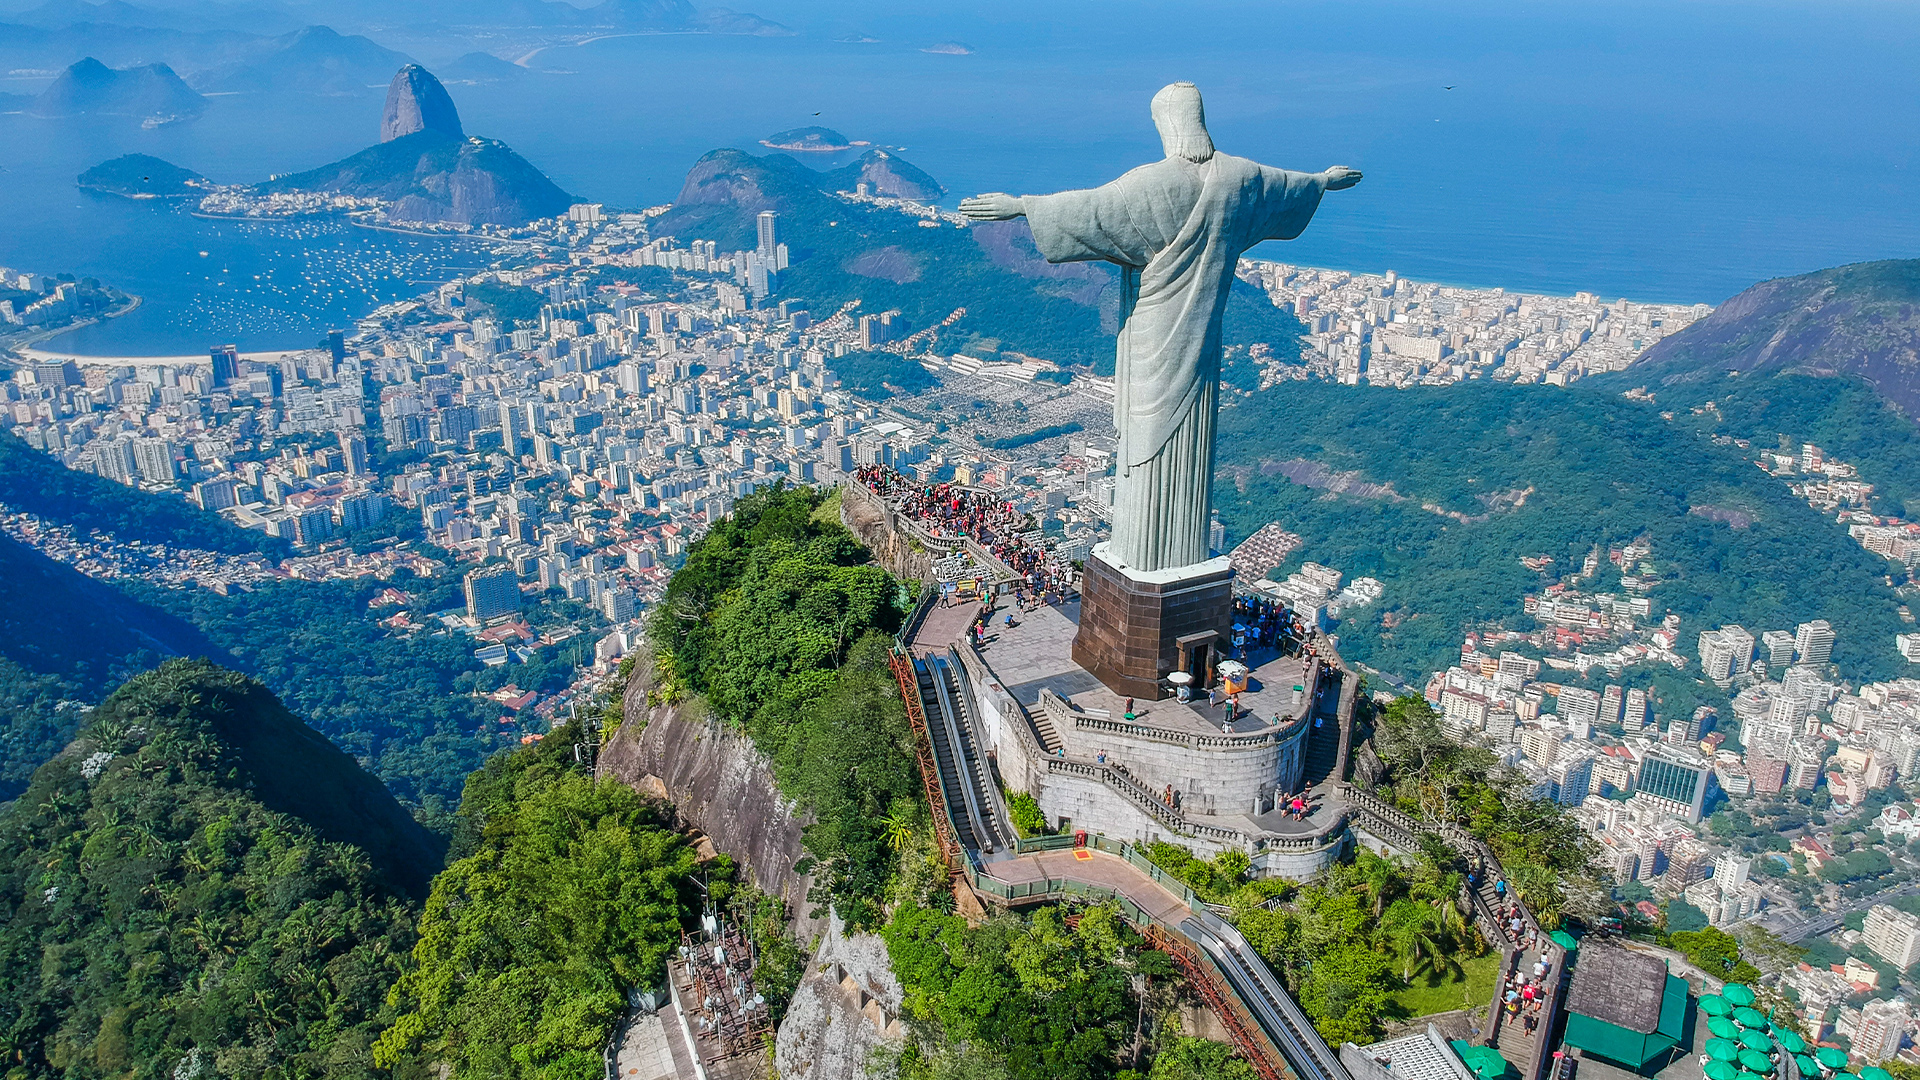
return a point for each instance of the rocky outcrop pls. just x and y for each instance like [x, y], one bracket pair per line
[867, 518]
[887, 174]
[847, 1004]
[720, 784]
[432, 173]
[417, 102]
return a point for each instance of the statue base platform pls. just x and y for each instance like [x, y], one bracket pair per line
[1137, 627]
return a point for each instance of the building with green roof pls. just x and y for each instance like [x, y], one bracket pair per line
[1625, 1007]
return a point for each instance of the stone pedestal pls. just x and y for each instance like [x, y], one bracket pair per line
[1137, 627]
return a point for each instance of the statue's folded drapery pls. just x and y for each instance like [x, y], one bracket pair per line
[1177, 229]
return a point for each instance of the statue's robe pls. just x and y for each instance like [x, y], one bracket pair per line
[1177, 229]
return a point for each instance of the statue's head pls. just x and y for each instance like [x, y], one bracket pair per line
[1182, 122]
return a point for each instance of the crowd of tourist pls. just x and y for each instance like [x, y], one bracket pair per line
[952, 511]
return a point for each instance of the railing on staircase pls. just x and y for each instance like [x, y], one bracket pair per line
[903, 674]
[1403, 830]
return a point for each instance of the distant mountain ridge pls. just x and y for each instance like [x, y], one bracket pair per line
[313, 59]
[90, 88]
[1862, 319]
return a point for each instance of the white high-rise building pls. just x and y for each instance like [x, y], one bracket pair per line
[1892, 934]
[1731, 870]
[1778, 647]
[1814, 642]
[767, 235]
[1635, 719]
[1579, 707]
[154, 459]
[1725, 653]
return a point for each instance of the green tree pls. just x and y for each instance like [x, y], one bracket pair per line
[160, 912]
[1186, 1058]
[576, 894]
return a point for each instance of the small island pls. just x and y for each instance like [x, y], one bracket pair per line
[811, 140]
[142, 176]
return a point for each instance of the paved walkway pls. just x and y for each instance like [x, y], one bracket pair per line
[654, 1049]
[944, 626]
[1037, 652]
[1094, 868]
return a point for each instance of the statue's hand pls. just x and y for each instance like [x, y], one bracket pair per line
[994, 207]
[1339, 178]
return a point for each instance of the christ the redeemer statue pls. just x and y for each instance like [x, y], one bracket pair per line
[1177, 229]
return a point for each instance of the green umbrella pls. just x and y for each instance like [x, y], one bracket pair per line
[1756, 1040]
[1721, 1070]
[1756, 1061]
[1723, 1049]
[1750, 1018]
[1831, 1057]
[1483, 1060]
[1738, 993]
[1808, 1067]
[1875, 1072]
[1715, 1005]
[1564, 940]
[1791, 1041]
[1722, 1027]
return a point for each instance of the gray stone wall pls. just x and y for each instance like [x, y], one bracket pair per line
[1212, 776]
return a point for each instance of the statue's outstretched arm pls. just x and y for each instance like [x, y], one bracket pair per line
[993, 207]
[1339, 178]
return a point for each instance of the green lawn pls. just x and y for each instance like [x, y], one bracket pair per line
[1476, 988]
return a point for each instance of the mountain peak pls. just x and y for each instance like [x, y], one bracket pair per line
[417, 102]
[1862, 320]
[150, 91]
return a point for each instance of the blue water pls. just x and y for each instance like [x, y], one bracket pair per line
[1673, 151]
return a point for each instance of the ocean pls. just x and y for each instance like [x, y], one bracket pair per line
[1674, 151]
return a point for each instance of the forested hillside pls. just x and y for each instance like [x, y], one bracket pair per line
[1860, 320]
[1779, 410]
[780, 625]
[65, 640]
[201, 886]
[406, 706]
[1439, 492]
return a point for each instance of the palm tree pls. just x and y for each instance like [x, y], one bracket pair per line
[899, 829]
[1421, 942]
[1379, 878]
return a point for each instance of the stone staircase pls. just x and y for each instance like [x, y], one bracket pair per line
[1323, 754]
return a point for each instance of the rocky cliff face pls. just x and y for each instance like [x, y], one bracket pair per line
[865, 516]
[720, 785]
[1861, 320]
[847, 1004]
[417, 102]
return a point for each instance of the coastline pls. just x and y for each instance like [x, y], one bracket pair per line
[24, 347]
[433, 235]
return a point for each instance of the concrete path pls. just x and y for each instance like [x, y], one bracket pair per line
[944, 626]
[1094, 868]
